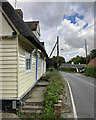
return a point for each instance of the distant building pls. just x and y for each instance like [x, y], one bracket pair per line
[92, 62]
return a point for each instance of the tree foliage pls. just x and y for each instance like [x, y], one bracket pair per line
[53, 61]
[82, 60]
[91, 55]
[78, 59]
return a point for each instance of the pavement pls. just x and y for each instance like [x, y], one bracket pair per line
[83, 93]
[34, 103]
[8, 116]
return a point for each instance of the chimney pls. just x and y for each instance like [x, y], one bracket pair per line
[19, 12]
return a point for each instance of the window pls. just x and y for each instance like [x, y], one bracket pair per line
[38, 63]
[28, 62]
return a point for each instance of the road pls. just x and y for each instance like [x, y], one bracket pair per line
[83, 93]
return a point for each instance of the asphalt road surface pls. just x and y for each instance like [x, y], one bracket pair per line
[83, 93]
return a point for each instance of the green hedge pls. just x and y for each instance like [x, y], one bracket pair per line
[66, 69]
[90, 71]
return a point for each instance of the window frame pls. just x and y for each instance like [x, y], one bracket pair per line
[28, 70]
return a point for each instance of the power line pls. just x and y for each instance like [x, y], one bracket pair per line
[86, 29]
[78, 33]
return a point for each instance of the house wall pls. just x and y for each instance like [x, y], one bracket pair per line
[25, 79]
[8, 68]
[44, 65]
[14, 80]
[6, 29]
[8, 63]
[41, 70]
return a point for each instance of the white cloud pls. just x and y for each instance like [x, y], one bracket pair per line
[81, 51]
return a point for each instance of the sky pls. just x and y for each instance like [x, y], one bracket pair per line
[72, 21]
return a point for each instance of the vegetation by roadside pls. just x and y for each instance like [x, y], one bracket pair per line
[54, 90]
[90, 71]
[65, 69]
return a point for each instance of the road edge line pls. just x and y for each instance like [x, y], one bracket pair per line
[72, 99]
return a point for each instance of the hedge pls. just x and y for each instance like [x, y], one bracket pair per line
[90, 71]
[66, 69]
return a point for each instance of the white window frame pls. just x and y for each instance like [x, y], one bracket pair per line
[27, 55]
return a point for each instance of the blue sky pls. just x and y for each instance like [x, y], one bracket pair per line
[85, 25]
[73, 17]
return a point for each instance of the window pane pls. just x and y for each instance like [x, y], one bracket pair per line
[26, 64]
[28, 61]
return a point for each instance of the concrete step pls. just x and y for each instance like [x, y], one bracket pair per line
[33, 103]
[28, 107]
[31, 112]
[34, 100]
[42, 83]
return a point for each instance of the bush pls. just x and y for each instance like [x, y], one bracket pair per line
[66, 69]
[90, 71]
[54, 75]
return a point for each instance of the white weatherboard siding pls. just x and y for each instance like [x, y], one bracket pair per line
[6, 29]
[8, 68]
[8, 62]
[25, 79]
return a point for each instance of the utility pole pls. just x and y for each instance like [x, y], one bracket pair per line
[57, 43]
[86, 51]
[57, 52]
[53, 49]
[15, 3]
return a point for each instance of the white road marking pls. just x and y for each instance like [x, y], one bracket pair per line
[72, 99]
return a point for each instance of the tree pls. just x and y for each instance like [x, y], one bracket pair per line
[78, 59]
[91, 55]
[53, 61]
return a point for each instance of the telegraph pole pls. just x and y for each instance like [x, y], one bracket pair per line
[86, 51]
[15, 3]
[57, 52]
